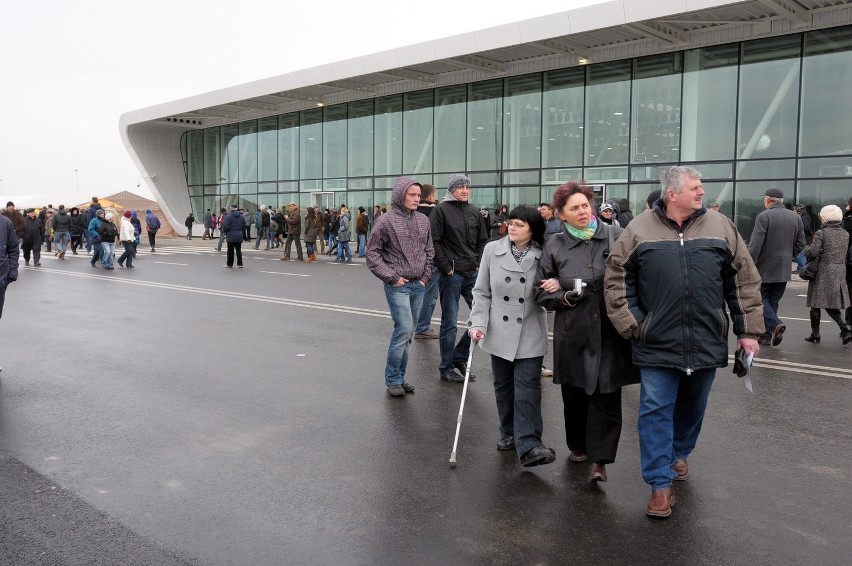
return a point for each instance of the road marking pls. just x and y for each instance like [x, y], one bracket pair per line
[169, 263]
[290, 274]
[777, 365]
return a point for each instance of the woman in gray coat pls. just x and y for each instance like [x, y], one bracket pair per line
[507, 324]
[828, 290]
[591, 361]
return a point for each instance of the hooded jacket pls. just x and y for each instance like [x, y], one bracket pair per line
[9, 252]
[78, 222]
[667, 287]
[459, 235]
[400, 244]
[344, 233]
[233, 225]
[62, 222]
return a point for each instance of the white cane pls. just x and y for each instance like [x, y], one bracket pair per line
[464, 394]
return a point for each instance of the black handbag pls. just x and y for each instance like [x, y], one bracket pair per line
[809, 271]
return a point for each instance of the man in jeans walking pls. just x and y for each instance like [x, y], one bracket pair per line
[669, 278]
[459, 235]
[400, 253]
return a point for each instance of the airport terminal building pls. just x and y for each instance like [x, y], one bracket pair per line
[754, 94]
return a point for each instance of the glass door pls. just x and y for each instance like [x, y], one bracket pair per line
[321, 201]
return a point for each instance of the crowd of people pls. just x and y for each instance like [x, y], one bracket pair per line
[648, 299]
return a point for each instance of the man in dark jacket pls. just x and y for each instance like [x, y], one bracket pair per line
[15, 216]
[9, 254]
[459, 234]
[61, 230]
[294, 232]
[31, 237]
[778, 237]
[78, 226]
[232, 227]
[91, 214]
[362, 226]
[95, 235]
[669, 278]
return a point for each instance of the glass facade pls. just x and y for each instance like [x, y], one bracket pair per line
[765, 113]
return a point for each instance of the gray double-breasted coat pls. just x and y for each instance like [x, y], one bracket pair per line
[504, 307]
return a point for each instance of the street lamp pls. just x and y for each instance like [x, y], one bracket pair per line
[76, 182]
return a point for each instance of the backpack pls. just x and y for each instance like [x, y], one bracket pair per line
[264, 219]
[153, 222]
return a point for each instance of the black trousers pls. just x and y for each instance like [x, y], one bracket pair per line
[28, 246]
[152, 239]
[235, 247]
[592, 423]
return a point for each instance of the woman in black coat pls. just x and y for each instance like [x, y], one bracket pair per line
[591, 361]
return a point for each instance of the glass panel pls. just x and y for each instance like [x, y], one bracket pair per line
[827, 167]
[382, 199]
[248, 151]
[195, 157]
[356, 199]
[361, 138]
[310, 144]
[769, 98]
[638, 196]
[267, 188]
[522, 122]
[712, 193]
[450, 119]
[212, 189]
[334, 141]
[749, 202]
[230, 157]
[709, 99]
[308, 186]
[483, 127]
[516, 196]
[388, 157]
[772, 169]
[713, 170]
[288, 146]
[361, 183]
[289, 186]
[656, 109]
[560, 176]
[826, 127]
[607, 113]
[520, 178]
[479, 180]
[563, 117]
[818, 193]
[243, 189]
[649, 172]
[417, 132]
[606, 174]
[334, 185]
[267, 149]
[485, 197]
[199, 190]
[211, 155]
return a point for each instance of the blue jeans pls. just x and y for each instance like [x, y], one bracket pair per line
[362, 245]
[96, 252]
[517, 388]
[671, 410]
[221, 239]
[88, 238]
[430, 299]
[453, 287]
[61, 241]
[107, 249]
[344, 247]
[260, 236]
[771, 294]
[404, 303]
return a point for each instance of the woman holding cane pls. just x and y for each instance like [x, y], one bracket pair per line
[509, 325]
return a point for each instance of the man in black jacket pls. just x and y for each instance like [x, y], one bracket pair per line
[9, 254]
[459, 235]
[31, 237]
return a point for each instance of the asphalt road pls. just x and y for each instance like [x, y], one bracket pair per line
[183, 413]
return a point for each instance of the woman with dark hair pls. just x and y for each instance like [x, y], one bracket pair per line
[507, 324]
[312, 226]
[591, 361]
[498, 222]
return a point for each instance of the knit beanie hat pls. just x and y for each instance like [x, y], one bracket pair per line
[127, 214]
[457, 181]
[109, 216]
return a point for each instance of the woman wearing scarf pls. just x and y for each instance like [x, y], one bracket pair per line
[509, 325]
[591, 361]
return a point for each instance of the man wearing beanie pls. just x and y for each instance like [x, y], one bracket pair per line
[778, 237]
[459, 235]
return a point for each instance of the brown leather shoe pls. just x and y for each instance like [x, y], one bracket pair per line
[597, 472]
[681, 468]
[661, 503]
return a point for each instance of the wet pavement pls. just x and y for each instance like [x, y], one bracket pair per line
[184, 413]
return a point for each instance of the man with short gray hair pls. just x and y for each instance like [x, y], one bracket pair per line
[778, 237]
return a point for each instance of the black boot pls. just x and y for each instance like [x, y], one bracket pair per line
[815, 316]
[849, 316]
[845, 329]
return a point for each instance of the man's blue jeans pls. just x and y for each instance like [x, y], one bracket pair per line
[430, 299]
[404, 303]
[362, 245]
[453, 287]
[517, 388]
[107, 250]
[343, 250]
[260, 235]
[96, 252]
[671, 410]
[771, 294]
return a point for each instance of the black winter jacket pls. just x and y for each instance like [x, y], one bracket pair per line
[33, 230]
[61, 222]
[459, 235]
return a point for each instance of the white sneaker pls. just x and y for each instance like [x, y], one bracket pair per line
[546, 372]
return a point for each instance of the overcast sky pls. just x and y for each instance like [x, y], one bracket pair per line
[68, 70]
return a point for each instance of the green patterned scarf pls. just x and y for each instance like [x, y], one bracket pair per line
[583, 233]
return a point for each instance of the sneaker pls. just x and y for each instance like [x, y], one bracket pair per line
[778, 334]
[407, 387]
[462, 367]
[506, 442]
[428, 335]
[545, 372]
[452, 376]
[396, 390]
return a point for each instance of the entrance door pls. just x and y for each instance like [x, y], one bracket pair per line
[321, 201]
